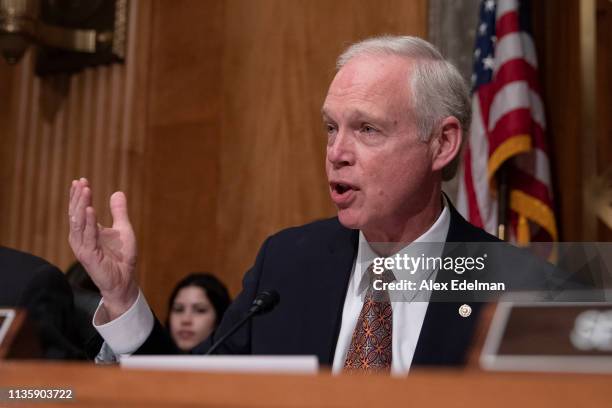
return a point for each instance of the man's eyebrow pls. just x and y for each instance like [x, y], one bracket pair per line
[354, 113]
[367, 115]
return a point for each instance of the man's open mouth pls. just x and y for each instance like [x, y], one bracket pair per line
[342, 188]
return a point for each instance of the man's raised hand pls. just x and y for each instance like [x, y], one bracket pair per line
[108, 254]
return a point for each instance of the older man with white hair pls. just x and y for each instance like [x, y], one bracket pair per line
[396, 115]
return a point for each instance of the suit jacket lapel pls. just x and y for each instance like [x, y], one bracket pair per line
[445, 336]
[336, 267]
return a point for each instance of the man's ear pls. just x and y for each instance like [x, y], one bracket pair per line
[446, 144]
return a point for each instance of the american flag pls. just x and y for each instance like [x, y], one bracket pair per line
[508, 127]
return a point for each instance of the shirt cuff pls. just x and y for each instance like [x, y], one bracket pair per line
[128, 332]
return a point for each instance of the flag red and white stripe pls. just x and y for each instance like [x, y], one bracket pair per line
[508, 127]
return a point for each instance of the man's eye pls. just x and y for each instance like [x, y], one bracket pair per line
[330, 128]
[368, 129]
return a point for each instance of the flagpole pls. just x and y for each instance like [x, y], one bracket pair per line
[502, 202]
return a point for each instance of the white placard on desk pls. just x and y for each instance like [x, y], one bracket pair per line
[550, 337]
[6, 319]
[240, 364]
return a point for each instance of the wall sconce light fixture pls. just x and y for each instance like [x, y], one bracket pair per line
[69, 34]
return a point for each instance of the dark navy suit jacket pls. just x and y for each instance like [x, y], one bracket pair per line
[29, 282]
[310, 267]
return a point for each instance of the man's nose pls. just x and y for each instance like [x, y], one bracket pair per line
[340, 150]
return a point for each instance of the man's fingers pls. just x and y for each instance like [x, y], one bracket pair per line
[118, 207]
[75, 238]
[90, 232]
[75, 193]
[72, 187]
[78, 215]
[74, 196]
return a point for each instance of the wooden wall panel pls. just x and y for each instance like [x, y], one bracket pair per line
[235, 145]
[604, 101]
[279, 60]
[212, 128]
[556, 22]
[557, 34]
[183, 132]
[8, 93]
[60, 128]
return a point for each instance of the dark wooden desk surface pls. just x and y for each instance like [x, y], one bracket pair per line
[104, 386]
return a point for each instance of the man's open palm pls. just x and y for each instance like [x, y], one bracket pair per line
[108, 254]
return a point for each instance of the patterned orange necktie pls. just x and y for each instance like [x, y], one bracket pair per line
[371, 344]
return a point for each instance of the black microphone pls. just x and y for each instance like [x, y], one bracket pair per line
[263, 303]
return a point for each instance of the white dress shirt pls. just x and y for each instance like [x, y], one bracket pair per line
[408, 312]
[125, 334]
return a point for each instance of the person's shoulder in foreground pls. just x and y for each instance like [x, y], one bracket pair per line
[23, 272]
[42, 289]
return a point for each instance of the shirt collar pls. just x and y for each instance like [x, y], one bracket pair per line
[437, 233]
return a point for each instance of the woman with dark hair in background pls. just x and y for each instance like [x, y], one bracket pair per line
[195, 308]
